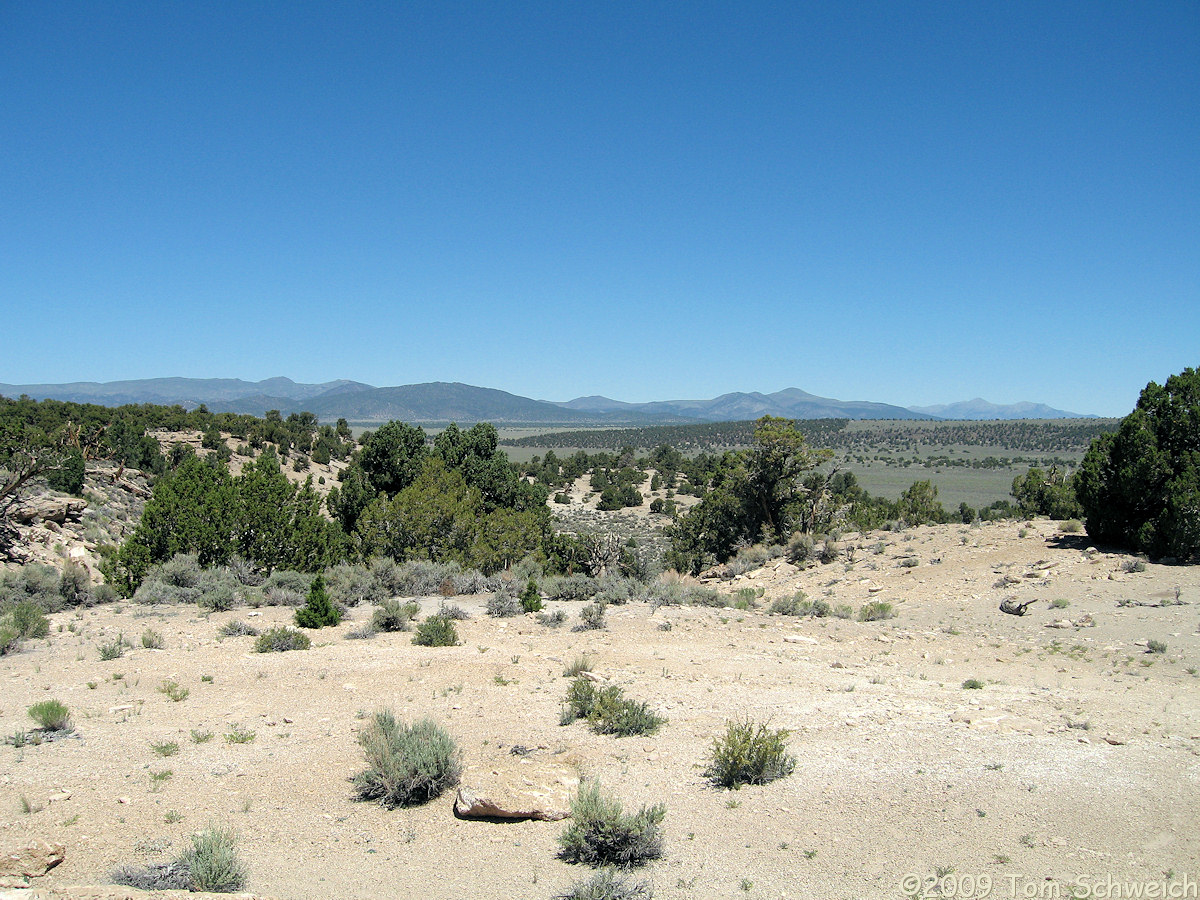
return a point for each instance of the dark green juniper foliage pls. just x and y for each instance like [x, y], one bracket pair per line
[319, 610]
[531, 600]
[1140, 488]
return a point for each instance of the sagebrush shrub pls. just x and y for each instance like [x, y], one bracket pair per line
[608, 884]
[238, 628]
[503, 605]
[591, 617]
[27, 618]
[436, 631]
[212, 862]
[876, 611]
[31, 582]
[796, 605]
[351, 585]
[749, 753]
[10, 639]
[392, 615]
[406, 764]
[571, 587]
[280, 639]
[602, 833]
[800, 548]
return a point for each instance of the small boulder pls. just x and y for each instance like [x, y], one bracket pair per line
[31, 861]
[510, 805]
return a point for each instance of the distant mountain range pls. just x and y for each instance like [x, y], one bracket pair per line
[442, 402]
[982, 409]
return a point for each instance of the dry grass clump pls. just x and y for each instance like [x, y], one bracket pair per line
[406, 764]
[51, 715]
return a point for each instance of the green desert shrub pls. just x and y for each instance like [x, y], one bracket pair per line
[353, 585]
[212, 862]
[392, 615]
[571, 587]
[608, 884]
[152, 640]
[591, 618]
[799, 548]
[281, 639]
[607, 710]
[10, 639]
[406, 764]
[51, 715]
[114, 649]
[795, 605]
[615, 714]
[601, 833]
[552, 619]
[749, 753]
[1153, 646]
[436, 631]
[875, 611]
[972, 684]
[318, 610]
[26, 618]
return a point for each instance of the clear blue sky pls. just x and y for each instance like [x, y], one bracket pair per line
[904, 202]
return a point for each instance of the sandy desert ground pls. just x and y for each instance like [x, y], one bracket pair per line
[1076, 766]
